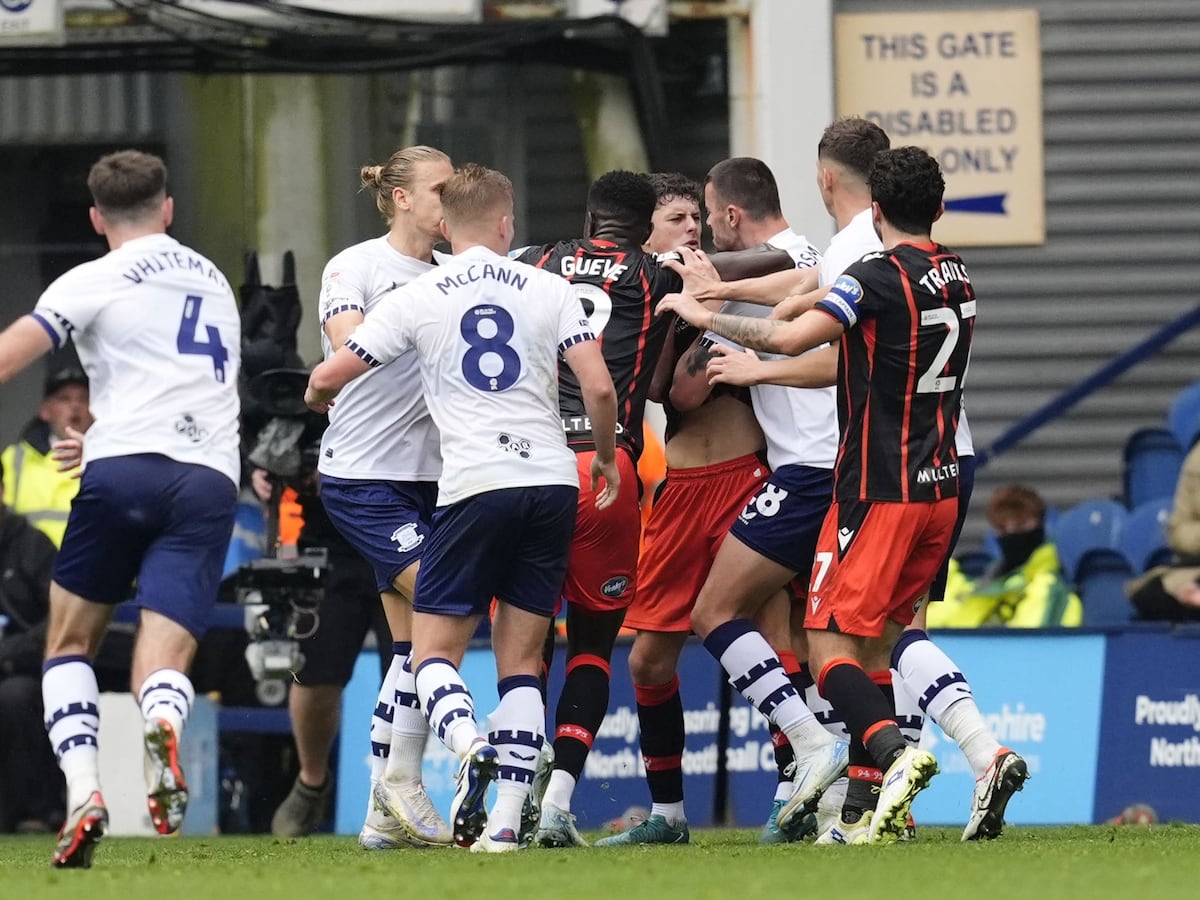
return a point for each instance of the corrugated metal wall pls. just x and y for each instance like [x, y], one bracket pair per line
[1121, 93]
[66, 109]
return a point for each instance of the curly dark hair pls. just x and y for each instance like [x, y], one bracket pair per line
[674, 185]
[907, 184]
[620, 194]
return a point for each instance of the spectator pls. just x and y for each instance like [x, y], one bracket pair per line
[33, 485]
[31, 786]
[1172, 593]
[1025, 588]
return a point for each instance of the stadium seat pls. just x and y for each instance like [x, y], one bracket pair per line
[1153, 459]
[1143, 538]
[1100, 581]
[974, 563]
[1183, 415]
[1090, 525]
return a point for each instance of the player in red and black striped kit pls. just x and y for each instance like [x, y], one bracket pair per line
[619, 285]
[905, 318]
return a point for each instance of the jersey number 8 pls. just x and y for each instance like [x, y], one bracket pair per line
[490, 364]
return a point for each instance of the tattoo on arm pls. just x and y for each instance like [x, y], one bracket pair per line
[755, 334]
[698, 360]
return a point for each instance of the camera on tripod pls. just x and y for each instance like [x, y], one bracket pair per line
[281, 597]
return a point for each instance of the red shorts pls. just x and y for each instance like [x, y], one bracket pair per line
[602, 570]
[687, 525]
[874, 561]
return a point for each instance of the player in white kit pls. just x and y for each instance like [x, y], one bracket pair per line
[488, 332]
[378, 468]
[157, 329]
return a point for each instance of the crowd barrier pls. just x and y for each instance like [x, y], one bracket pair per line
[1104, 718]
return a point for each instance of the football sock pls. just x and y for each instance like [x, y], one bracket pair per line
[820, 707]
[167, 694]
[515, 729]
[660, 718]
[756, 672]
[581, 709]
[71, 701]
[909, 715]
[409, 728]
[448, 704]
[865, 708]
[784, 754]
[942, 691]
[381, 718]
[559, 790]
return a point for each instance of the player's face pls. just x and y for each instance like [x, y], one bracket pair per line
[68, 406]
[724, 235]
[676, 223]
[426, 195]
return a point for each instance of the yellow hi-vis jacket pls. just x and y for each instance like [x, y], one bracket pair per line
[1034, 595]
[34, 488]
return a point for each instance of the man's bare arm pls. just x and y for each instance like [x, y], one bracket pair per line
[743, 368]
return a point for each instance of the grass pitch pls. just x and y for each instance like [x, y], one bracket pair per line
[1084, 862]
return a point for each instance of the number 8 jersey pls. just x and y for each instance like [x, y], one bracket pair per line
[158, 332]
[909, 314]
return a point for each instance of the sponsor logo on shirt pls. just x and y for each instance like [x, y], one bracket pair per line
[187, 426]
[513, 444]
[615, 587]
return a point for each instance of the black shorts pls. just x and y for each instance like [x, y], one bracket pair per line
[966, 484]
[350, 608]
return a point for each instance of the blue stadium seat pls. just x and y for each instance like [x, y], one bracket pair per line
[1143, 538]
[1153, 459]
[1183, 415]
[1090, 525]
[1100, 581]
[975, 562]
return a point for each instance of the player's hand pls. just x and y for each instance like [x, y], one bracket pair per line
[731, 365]
[68, 452]
[260, 483]
[687, 308]
[609, 474]
[790, 307]
[700, 276]
[317, 401]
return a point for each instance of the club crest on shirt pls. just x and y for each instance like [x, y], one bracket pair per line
[513, 444]
[407, 537]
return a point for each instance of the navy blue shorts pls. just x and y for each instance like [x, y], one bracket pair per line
[511, 544]
[150, 518]
[783, 519]
[966, 484]
[387, 522]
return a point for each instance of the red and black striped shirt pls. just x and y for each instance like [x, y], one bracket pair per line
[619, 288]
[909, 314]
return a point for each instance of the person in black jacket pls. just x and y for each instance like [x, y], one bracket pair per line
[31, 785]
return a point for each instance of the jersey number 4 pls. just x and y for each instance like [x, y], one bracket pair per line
[186, 342]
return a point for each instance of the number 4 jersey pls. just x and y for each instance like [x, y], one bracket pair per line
[158, 332]
[909, 313]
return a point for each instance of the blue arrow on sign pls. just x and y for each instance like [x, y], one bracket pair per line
[989, 204]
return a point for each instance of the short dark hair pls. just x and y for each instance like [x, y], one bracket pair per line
[128, 185]
[907, 184]
[747, 183]
[621, 194]
[674, 185]
[852, 142]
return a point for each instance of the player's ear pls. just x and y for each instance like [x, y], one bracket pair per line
[443, 229]
[96, 219]
[941, 209]
[399, 198]
[168, 211]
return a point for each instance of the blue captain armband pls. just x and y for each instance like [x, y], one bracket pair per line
[842, 300]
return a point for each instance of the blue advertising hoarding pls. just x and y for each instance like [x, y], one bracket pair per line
[1150, 726]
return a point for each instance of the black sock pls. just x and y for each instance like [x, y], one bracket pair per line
[660, 716]
[581, 709]
[864, 708]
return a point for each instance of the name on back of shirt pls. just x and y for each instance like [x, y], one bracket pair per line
[480, 271]
[945, 272]
[167, 260]
[593, 265]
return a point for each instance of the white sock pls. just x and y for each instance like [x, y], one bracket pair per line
[409, 728]
[909, 715]
[559, 790]
[71, 701]
[672, 812]
[167, 694]
[964, 725]
[450, 707]
[516, 729]
[381, 720]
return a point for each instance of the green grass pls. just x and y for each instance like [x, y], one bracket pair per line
[1083, 862]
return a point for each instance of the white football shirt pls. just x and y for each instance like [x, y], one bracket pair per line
[158, 332]
[850, 245]
[380, 428]
[487, 332]
[800, 424]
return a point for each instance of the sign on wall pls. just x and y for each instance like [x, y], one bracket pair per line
[967, 87]
[32, 22]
